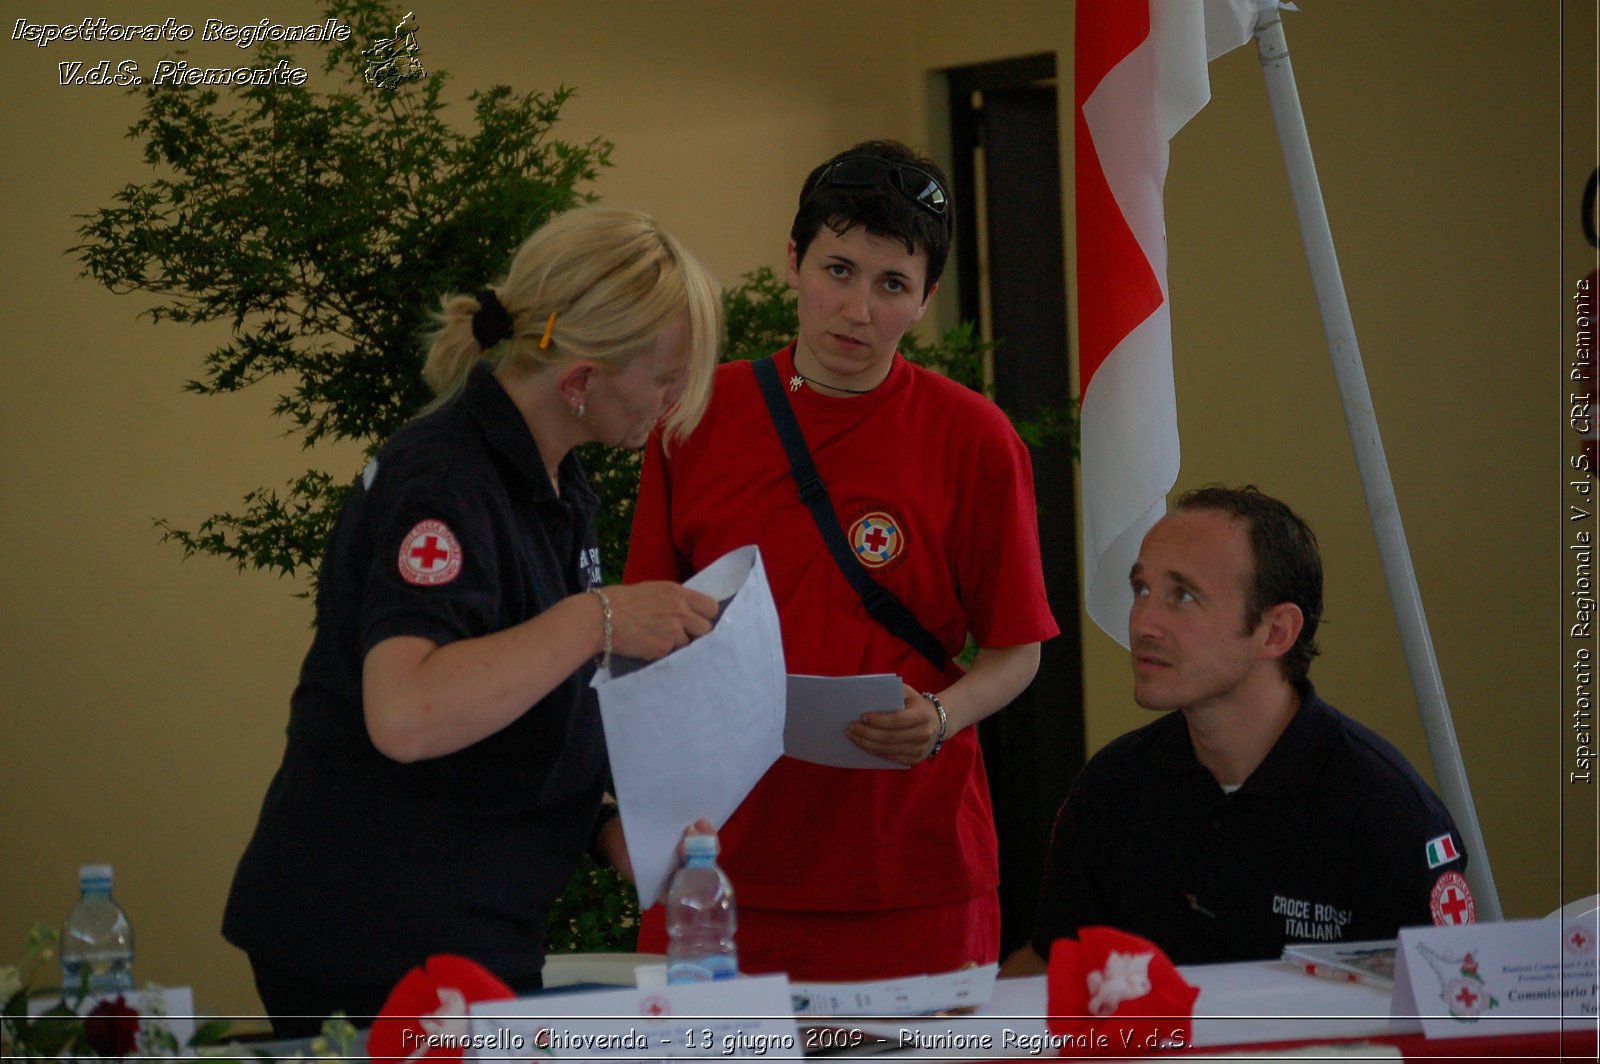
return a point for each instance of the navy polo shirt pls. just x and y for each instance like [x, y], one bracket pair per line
[1334, 837]
[361, 867]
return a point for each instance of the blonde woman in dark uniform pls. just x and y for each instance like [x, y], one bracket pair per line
[445, 763]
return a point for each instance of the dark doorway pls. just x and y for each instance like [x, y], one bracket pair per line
[1010, 268]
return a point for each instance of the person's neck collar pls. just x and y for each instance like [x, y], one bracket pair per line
[1233, 736]
[810, 375]
[550, 421]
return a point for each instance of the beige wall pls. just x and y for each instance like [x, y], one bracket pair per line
[144, 698]
[1579, 804]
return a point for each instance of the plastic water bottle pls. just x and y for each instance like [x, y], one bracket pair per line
[96, 938]
[700, 917]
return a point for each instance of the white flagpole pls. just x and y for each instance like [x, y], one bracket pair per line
[1370, 460]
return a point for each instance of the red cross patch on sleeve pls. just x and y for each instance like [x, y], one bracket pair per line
[430, 554]
[1452, 902]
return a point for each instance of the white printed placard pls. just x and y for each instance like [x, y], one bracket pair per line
[734, 1018]
[1496, 979]
[915, 995]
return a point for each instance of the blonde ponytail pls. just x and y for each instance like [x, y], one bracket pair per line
[613, 279]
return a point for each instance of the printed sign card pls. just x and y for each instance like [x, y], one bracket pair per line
[1496, 979]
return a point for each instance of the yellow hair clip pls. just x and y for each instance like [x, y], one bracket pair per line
[549, 325]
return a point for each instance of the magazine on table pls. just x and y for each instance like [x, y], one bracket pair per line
[1370, 962]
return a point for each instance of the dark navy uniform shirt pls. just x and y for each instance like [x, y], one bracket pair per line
[361, 867]
[1334, 837]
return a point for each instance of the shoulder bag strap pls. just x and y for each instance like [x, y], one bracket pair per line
[875, 598]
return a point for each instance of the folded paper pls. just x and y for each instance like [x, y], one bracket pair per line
[691, 734]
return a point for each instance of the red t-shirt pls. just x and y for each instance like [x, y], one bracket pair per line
[935, 492]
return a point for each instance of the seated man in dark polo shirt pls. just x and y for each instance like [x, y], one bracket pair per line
[1256, 814]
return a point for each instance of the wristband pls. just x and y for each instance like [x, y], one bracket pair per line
[944, 723]
[604, 660]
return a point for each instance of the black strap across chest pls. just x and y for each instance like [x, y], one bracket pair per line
[875, 598]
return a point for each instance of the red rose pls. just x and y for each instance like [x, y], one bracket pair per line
[111, 1028]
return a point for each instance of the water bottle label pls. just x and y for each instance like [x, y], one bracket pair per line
[705, 970]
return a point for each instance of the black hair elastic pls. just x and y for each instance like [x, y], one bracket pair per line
[491, 323]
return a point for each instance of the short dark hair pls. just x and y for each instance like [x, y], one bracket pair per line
[880, 208]
[1288, 565]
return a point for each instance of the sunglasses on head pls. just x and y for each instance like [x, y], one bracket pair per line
[912, 182]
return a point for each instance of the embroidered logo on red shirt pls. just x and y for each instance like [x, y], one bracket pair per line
[430, 554]
[1452, 902]
[877, 538]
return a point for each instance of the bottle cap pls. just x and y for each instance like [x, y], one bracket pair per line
[700, 846]
[94, 877]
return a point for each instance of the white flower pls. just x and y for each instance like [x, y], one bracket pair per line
[155, 1000]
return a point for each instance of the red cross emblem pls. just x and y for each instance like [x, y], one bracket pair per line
[430, 554]
[655, 1005]
[1465, 999]
[1452, 902]
[877, 538]
[1580, 938]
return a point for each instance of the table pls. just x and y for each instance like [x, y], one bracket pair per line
[1263, 1010]
[1263, 1007]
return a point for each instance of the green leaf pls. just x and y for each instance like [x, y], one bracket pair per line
[54, 1032]
[210, 1033]
[322, 225]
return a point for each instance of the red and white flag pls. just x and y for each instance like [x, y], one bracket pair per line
[1140, 74]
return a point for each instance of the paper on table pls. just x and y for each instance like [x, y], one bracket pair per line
[821, 706]
[690, 735]
[914, 995]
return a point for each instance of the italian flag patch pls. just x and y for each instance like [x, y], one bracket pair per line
[1442, 850]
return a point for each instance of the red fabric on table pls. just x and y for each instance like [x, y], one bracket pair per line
[1117, 993]
[432, 1000]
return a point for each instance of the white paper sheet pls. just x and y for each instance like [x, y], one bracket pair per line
[821, 706]
[690, 735]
